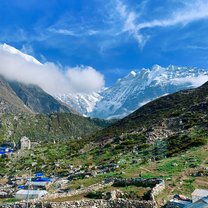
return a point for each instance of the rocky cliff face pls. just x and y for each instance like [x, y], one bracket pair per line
[81, 102]
[38, 100]
[9, 101]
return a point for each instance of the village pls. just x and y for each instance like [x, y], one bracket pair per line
[55, 191]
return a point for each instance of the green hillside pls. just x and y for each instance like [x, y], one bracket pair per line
[190, 106]
[166, 138]
[164, 128]
[45, 127]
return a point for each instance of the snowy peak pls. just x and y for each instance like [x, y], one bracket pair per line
[82, 103]
[136, 89]
[140, 87]
[156, 67]
[132, 74]
[13, 50]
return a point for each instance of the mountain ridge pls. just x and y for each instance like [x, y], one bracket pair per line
[18, 97]
[10, 102]
[38, 100]
[136, 89]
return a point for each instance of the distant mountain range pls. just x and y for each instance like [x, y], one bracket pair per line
[124, 97]
[135, 90]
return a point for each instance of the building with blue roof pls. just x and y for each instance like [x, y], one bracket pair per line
[5, 151]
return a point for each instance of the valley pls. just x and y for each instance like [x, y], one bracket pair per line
[165, 139]
[104, 104]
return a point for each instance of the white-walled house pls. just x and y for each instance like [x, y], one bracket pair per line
[30, 194]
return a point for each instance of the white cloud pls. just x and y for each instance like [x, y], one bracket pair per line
[76, 33]
[194, 81]
[62, 31]
[80, 77]
[192, 11]
[129, 25]
[52, 78]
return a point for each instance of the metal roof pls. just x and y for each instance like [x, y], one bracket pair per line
[36, 183]
[205, 199]
[200, 192]
[180, 203]
[31, 192]
[197, 205]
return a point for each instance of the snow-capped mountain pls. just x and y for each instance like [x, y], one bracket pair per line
[82, 103]
[136, 89]
[140, 87]
[11, 50]
[117, 101]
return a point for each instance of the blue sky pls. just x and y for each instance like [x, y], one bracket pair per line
[112, 36]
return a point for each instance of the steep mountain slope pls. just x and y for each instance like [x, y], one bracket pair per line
[38, 100]
[140, 87]
[26, 110]
[9, 101]
[175, 119]
[45, 127]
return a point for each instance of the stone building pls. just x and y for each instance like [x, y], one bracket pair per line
[25, 143]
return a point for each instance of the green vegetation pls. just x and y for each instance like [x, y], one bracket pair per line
[48, 127]
[66, 140]
[8, 200]
[178, 112]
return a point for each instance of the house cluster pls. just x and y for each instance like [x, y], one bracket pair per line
[199, 199]
[33, 187]
[25, 187]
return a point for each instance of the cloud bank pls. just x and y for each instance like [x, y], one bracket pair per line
[194, 81]
[17, 66]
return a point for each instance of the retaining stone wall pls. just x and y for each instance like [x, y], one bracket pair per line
[88, 203]
[157, 186]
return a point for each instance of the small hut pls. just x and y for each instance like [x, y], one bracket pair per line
[30, 194]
